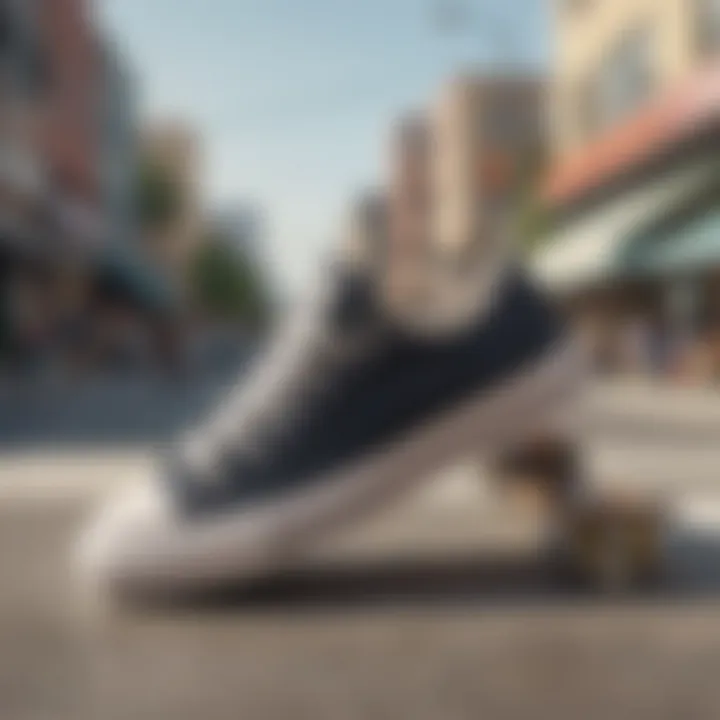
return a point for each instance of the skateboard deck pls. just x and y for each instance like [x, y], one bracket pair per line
[611, 541]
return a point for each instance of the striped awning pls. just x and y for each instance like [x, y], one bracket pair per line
[594, 247]
[683, 247]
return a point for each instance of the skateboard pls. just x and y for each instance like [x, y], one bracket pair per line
[609, 541]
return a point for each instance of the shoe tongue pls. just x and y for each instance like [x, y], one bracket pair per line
[426, 293]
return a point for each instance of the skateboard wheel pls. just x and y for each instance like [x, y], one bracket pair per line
[615, 547]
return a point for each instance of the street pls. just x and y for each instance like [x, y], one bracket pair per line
[435, 199]
[437, 609]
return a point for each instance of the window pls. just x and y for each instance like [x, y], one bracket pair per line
[707, 27]
[511, 117]
[501, 121]
[623, 83]
[576, 6]
[587, 109]
[627, 79]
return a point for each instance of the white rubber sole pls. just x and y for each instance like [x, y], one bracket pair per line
[137, 544]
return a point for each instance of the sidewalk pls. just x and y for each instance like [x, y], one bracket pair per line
[642, 399]
[424, 614]
[436, 608]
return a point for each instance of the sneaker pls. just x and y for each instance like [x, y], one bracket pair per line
[349, 407]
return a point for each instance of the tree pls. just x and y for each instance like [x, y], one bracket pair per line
[226, 283]
[532, 223]
[157, 195]
[533, 220]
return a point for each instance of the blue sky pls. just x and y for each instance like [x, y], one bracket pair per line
[294, 99]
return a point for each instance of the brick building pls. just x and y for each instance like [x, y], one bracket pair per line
[71, 122]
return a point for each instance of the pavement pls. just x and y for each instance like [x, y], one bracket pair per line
[438, 608]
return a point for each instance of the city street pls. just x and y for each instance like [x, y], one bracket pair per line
[460, 190]
[436, 609]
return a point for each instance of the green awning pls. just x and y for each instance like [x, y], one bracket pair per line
[597, 246]
[686, 246]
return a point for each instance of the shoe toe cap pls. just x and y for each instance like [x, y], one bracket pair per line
[122, 545]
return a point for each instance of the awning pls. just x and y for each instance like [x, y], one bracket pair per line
[682, 248]
[126, 274]
[592, 248]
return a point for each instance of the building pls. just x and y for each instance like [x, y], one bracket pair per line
[367, 228]
[487, 129]
[612, 56]
[120, 151]
[125, 271]
[409, 206]
[22, 176]
[71, 134]
[635, 249]
[21, 167]
[174, 150]
[67, 181]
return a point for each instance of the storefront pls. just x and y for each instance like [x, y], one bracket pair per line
[635, 252]
[114, 300]
[20, 193]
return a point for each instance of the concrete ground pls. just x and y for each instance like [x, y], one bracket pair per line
[437, 609]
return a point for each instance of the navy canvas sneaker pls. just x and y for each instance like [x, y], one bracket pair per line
[351, 405]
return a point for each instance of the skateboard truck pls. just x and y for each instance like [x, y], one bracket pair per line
[607, 540]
